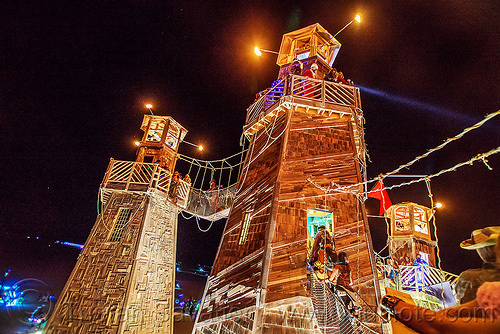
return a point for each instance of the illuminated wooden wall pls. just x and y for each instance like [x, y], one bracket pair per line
[262, 266]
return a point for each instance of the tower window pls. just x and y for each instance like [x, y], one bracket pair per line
[121, 221]
[244, 228]
[155, 130]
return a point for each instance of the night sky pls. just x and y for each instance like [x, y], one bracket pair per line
[74, 78]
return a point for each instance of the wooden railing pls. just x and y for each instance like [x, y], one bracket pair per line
[416, 278]
[141, 177]
[304, 87]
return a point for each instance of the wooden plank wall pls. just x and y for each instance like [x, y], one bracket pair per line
[320, 147]
[93, 298]
[237, 264]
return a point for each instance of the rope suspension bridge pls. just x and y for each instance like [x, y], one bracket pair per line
[217, 177]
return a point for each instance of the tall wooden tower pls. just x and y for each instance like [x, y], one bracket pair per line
[306, 136]
[124, 279]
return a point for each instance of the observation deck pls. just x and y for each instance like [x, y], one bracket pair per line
[145, 177]
[314, 95]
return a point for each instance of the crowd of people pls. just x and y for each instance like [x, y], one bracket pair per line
[392, 266]
[309, 71]
[298, 68]
[477, 289]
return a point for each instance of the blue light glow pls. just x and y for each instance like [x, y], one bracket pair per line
[72, 244]
[419, 105]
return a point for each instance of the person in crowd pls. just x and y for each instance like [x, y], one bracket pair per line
[187, 179]
[407, 261]
[213, 185]
[312, 72]
[340, 78]
[341, 277]
[480, 315]
[322, 240]
[392, 269]
[214, 195]
[419, 261]
[173, 192]
[483, 242]
[331, 75]
[420, 275]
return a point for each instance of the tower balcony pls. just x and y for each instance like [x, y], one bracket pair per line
[322, 97]
[313, 93]
[145, 177]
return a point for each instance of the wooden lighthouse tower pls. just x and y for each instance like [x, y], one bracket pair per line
[306, 147]
[124, 279]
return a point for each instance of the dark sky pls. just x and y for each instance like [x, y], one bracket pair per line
[74, 78]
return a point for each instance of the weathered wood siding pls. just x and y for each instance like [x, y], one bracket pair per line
[94, 295]
[297, 146]
[237, 264]
[124, 286]
[320, 148]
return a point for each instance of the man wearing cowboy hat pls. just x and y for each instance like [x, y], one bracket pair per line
[483, 241]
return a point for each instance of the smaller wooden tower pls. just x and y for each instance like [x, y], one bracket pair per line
[124, 278]
[411, 232]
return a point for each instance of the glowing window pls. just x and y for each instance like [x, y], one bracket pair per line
[316, 218]
[120, 222]
[420, 221]
[402, 218]
[244, 228]
[155, 130]
[172, 136]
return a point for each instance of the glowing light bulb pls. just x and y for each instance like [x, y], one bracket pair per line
[257, 51]
[137, 143]
[200, 148]
[149, 106]
[358, 18]
[438, 205]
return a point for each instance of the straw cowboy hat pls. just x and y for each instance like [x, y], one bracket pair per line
[481, 238]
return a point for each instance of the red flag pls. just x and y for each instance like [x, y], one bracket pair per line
[381, 195]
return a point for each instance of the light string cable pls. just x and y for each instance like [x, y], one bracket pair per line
[262, 150]
[446, 142]
[438, 250]
[339, 188]
[482, 157]
[213, 164]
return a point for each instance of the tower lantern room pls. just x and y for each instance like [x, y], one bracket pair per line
[310, 44]
[410, 232]
[162, 136]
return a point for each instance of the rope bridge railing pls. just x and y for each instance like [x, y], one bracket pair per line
[304, 87]
[201, 172]
[142, 177]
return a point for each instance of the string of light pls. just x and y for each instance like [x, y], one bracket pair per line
[420, 157]
[345, 189]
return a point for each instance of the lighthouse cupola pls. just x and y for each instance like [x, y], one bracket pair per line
[411, 232]
[312, 44]
[162, 135]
